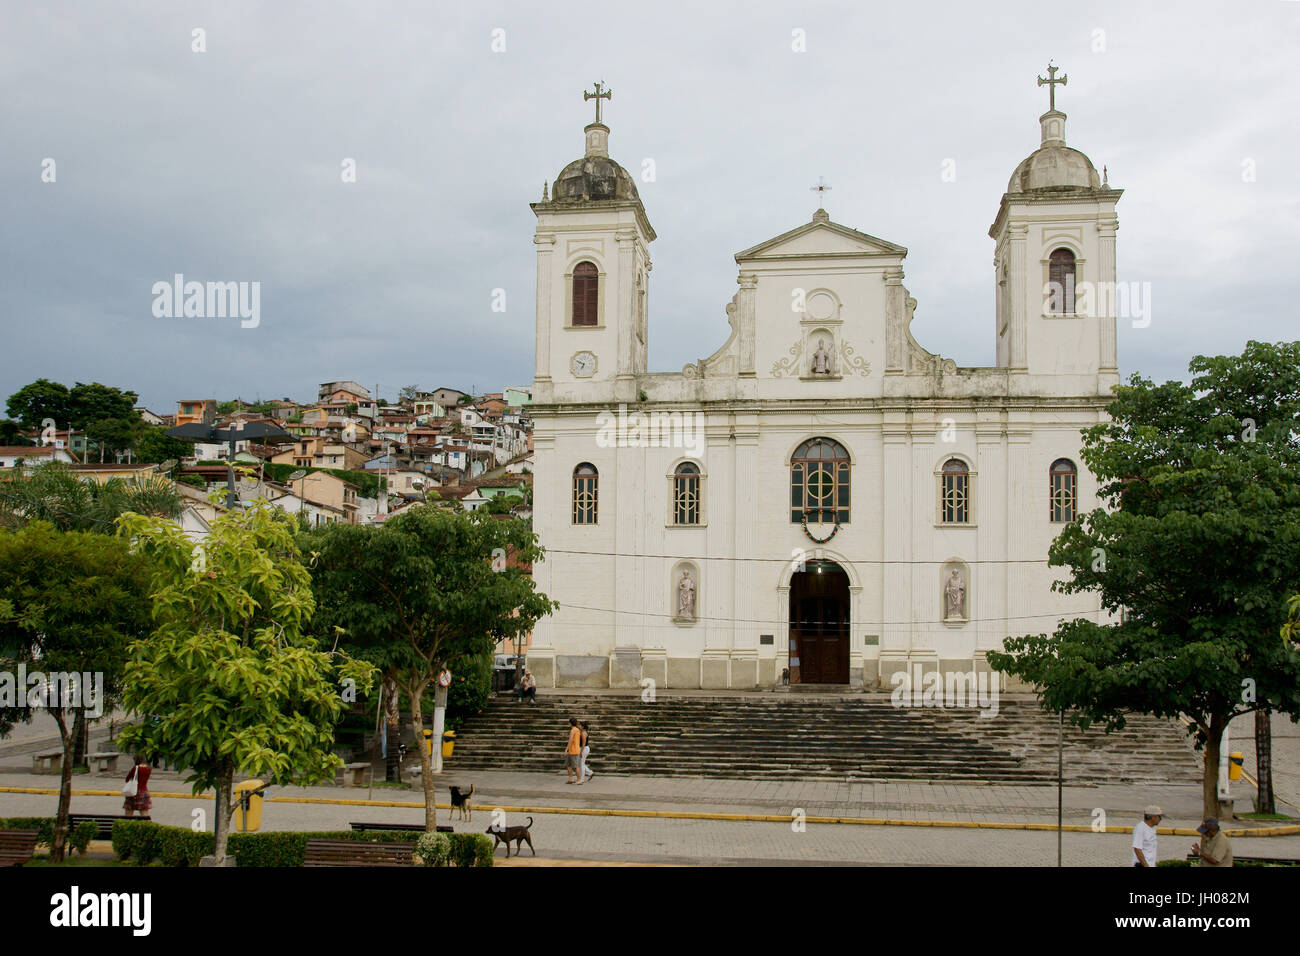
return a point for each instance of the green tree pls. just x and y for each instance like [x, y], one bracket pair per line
[407, 394]
[230, 679]
[155, 446]
[42, 399]
[1195, 555]
[70, 603]
[11, 434]
[428, 589]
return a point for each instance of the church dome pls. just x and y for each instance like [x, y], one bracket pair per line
[1054, 165]
[594, 177]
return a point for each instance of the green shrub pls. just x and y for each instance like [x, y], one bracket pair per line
[138, 839]
[471, 849]
[179, 846]
[289, 849]
[43, 825]
[433, 849]
[82, 834]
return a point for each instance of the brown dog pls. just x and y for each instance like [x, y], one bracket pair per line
[461, 800]
[518, 834]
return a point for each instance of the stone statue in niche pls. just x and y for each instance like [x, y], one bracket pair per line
[686, 597]
[821, 360]
[954, 592]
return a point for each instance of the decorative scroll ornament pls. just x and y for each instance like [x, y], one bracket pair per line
[853, 362]
[788, 366]
[813, 538]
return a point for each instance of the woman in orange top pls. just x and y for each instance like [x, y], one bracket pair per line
[573, 752]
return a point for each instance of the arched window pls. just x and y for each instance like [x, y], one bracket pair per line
[954, 493]
[686, 494]
[586, 294]
[1064, 490]
[819, 481]
[585, 496]
[1060, 278]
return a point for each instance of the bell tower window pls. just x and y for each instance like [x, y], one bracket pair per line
[1060, 282]
[586, 294]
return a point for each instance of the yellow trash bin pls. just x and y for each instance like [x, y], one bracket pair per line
[448, 742]
[428, 742]
[1235, 760]
[254, 821]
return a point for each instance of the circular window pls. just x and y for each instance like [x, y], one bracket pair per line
[821, 305]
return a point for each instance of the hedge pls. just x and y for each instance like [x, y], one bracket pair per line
[177, 846]
[79, 837]
[455, 849]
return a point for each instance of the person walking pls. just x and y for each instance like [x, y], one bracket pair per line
[585, 773]
[137, 797]
[573, 752]
[1216, 851]
[1144, 837]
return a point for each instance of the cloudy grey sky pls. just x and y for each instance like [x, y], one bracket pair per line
[225, 165]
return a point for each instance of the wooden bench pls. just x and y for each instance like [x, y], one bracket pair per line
[49, 762]
[17, 846]
[405, 827]
[355, 774]
[103, 822]
[104, 762]
[347, 853]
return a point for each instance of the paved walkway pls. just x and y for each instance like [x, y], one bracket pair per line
[571, 836]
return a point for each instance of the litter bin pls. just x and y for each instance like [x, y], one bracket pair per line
[448, 742]
[1235, 760]
[428, 741]
[250, 790]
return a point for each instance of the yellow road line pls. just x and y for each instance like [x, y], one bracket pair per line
[1286, 830]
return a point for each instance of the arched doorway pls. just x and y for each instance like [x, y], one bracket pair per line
[819, 624]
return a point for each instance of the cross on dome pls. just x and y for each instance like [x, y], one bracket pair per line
[1051, 83]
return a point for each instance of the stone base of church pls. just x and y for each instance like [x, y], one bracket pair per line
[723, 669]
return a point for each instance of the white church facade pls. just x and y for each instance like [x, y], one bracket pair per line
[821, 499]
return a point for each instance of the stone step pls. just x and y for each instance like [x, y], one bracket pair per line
[790, 737]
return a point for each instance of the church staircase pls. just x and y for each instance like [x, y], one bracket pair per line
[789, 737]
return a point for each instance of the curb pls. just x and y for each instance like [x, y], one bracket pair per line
[1287, 830]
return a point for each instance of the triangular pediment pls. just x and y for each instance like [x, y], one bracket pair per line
[822, 238]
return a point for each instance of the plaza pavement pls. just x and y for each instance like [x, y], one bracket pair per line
[667, 818]
[574, 835]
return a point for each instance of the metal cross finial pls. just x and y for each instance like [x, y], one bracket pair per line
[1051, 82]
[820, 189]
[598, 96]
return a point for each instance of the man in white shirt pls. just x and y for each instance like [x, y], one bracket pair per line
[1144, 837]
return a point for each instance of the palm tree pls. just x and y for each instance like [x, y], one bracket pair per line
[54, 493]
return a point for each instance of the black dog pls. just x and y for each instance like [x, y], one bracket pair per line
[518, 834]
[460, 800]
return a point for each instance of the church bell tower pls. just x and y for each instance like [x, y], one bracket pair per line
[1054, 260]
[593, 273]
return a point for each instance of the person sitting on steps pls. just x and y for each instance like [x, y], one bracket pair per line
[528, 688]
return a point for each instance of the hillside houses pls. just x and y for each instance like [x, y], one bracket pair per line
[442, 446]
